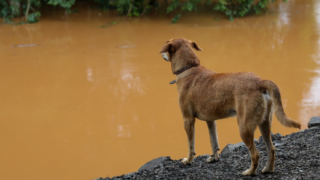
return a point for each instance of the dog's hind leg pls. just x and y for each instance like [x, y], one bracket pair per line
[247, 135]
[189, 127]
[265, 129]
[212, 127]
[249, 116]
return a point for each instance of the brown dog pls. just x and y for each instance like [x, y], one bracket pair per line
[209, 96]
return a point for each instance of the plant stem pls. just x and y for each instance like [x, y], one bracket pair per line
[129, 10]
[27, 11]
[144, 11]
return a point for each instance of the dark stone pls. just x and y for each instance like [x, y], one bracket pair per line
[297, 157]
[239, 144]
[261, 140]
[151, 164]
[275, 136]
[205, 156]
[227, 150]
[314, 121]
[128, 176]
[231, 147]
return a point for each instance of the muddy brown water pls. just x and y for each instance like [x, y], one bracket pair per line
[81, 97]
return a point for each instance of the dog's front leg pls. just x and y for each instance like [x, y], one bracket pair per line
[212, 127]
[189, 127]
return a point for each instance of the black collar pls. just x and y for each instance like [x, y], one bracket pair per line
[181, 71]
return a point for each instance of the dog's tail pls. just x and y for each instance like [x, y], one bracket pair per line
[277, 104]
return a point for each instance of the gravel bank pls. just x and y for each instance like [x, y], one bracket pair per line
[297, 157]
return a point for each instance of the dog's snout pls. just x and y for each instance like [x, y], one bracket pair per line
[165, 56]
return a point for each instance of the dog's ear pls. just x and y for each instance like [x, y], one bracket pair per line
[165, 47]
[195, 46]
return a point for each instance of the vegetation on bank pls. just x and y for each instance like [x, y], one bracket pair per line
[29, 10]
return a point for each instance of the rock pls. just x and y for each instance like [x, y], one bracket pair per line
[239, 144]
[242, 143]
[128, 176]
[314, 121]
[297, 157]
[102, 178]
[261, 140]
[275, 136]
[230, 147]
[227, 150]
[151, 164]
[205, 156]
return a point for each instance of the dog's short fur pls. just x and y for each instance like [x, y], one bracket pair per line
[209, 96]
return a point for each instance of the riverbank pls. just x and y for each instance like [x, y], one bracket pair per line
[297, 157]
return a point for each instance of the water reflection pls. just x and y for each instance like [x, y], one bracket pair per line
[123, 131]
[130, 81]
[124, 74]
[284, 19]
[89, 74]
[311, 98]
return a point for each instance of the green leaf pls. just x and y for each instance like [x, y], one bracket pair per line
[176, 18]
[33, 17]
[217, 7]
[223, 2]
[136, 14]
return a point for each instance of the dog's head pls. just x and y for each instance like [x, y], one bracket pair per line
[179, 51]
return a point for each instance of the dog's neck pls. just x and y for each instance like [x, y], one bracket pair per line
[184, 69]
[181, 71]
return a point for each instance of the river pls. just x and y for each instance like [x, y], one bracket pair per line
[87, 95]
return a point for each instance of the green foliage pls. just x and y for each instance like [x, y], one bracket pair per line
[176, 5]
[176, 18]
[67, 4]
[29, 9]
[14, 8]
[239, 8]
[103, 4]
[5, 10]
[231, 8]
[173, 5]
[131, 7]
[33, 17]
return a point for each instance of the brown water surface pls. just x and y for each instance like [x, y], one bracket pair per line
[81, 97]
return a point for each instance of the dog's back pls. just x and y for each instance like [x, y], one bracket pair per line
[217, 92]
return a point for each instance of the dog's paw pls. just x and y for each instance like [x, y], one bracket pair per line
[212, 159]
[186, 161]
[265, 170]
[248, 172]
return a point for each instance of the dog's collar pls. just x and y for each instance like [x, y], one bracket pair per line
[172, 82]
[181, 71]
